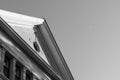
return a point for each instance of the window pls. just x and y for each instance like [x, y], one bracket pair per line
[28, 76]
[6, 66]
[12, 65]
[18, 72]
[36, 46]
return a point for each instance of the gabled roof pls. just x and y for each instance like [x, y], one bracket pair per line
[28, 50]
[56, 67]
[23, 26]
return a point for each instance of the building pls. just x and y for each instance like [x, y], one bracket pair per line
[28, 50]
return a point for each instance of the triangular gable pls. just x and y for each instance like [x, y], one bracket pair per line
[6, 27]
[23, 32]
[23, 26]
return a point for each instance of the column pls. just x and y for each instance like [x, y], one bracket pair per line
[24, 73]
[2, 54]
[34, 77]
[12, 69]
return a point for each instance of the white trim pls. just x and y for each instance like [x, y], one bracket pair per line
[19, 19]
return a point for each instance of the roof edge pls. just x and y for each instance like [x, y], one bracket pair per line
[15, 18]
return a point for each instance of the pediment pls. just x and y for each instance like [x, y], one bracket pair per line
[23, 26]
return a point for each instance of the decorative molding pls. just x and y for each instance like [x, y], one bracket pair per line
[9, 32]
[52, 51]
[18, 19]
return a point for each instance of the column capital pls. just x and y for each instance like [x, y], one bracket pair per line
[24, 69]
[14, 60]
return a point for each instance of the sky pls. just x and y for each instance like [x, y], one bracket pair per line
[87, 33]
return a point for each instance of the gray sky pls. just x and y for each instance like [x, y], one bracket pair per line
[87, 32]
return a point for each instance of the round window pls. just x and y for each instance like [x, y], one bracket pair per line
[36, 46]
